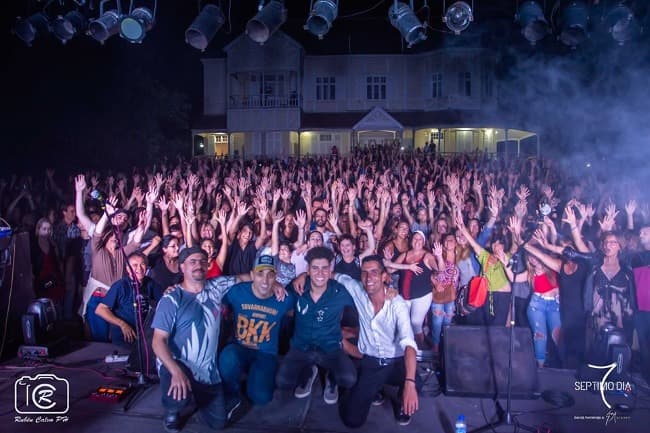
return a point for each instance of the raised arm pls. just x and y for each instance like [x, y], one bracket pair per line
[223, 250]
[366, 226]
[80, 188]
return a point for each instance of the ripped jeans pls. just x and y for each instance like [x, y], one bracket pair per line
[544, 316]
[442, 315]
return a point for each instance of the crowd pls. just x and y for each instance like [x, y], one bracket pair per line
[358, 261]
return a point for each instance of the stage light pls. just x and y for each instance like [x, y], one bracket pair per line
[107, 25]
[66, 27]
[135, 25]
[403, 18]
[204, 27]
[322, 15]
[534, 26]
[458, 16]
[267, 21]
[621, 23]
[575, 18]
[27, 29]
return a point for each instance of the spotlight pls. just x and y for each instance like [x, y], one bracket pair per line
[322, 15]
[534, 26]
[135, 25]
[267, 21]
[575, 18]
[67, 26]
[26, 29]
[621, 23]
[403, 18]
[458, 16]
[105, 26]
[204, 27]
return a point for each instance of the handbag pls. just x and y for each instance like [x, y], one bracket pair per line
[477, 291]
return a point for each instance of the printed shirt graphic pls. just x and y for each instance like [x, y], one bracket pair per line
[257, 321]
[193, 324]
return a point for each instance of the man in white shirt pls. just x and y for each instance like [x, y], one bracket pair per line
[386, 346]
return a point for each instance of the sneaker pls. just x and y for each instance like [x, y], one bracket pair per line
[379, 399]
[331, 392]
[232, 408]
[403, 419]
[172, 422]
[303, 391]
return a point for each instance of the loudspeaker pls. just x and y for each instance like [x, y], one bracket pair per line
[476, 362]
[30, 328]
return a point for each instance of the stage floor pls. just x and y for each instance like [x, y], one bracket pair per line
[85, 370]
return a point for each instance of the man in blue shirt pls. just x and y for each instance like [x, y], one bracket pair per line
[317, 339]
[119, 305]
[258, 315]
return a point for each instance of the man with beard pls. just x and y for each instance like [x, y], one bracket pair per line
[320, 219]
[186, 336]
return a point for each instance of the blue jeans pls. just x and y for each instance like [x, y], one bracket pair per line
[442, 315]
[98, 326]
[236, 359]
[543, 315]
[208, 397]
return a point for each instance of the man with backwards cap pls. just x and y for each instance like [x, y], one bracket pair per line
[186, 336]
[258, 315]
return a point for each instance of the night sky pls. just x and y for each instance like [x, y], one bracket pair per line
[88, 105]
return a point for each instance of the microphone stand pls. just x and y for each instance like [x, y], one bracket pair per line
[505, 417]
[143, 382]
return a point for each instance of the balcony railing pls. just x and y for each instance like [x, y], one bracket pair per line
[263, 101]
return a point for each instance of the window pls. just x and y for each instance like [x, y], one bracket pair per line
[325, 88]
[440, 135]
[436, 86]
[375, 87]
[465, 83]
[325, 137]
[487, 82]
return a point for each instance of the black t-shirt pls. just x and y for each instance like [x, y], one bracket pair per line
[240, 261]
[571, 289]
[163, 276]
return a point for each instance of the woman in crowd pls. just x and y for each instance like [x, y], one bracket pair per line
[166, 272]
[445, 285]
[46, 266]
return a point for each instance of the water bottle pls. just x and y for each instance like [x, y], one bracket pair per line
[461, 427]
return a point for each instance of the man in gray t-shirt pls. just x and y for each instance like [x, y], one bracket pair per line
[186, 335]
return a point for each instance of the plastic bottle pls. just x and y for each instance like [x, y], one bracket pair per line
[461, 427]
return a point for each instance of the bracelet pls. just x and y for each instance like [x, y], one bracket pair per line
[408, 379]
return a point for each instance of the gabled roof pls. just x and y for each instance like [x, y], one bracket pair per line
[275, 37]
[378, 119]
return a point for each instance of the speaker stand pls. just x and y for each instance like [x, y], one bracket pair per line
[505, 417]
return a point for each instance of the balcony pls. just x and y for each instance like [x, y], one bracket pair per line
[245, 102]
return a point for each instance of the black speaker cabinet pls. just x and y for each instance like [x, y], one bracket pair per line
[476, 362]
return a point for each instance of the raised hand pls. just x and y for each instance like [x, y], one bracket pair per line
[163, 204]
[301, 219]
[437, 249]
[523, 192]
[80, 183]
[277, 217]
[631, 207]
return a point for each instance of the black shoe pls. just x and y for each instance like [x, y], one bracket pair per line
[172, 422]
[379, 399]
[402, 418]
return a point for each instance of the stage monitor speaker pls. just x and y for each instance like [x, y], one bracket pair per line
[476, 362]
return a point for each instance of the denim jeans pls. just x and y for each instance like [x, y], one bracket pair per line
[295, 368]
[442, 315]
[98, 326]
[543, 315]
[260, 367]
[208, 397]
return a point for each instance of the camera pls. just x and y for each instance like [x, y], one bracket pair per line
[43, 394]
